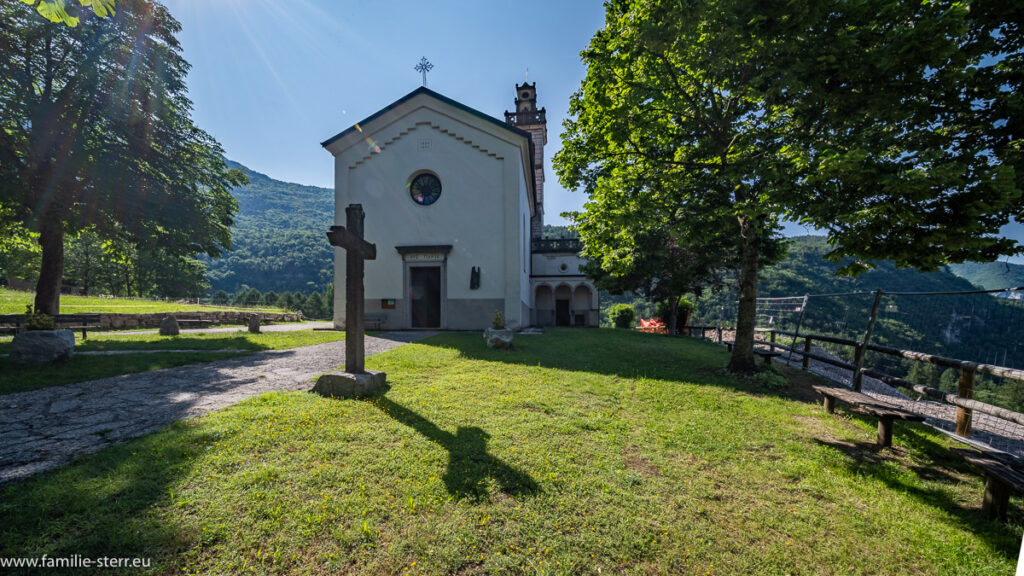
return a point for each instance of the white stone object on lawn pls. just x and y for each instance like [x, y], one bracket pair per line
[42, 346]
[500, 339]
[169, 326]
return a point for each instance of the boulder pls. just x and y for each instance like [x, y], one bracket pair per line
[42, 346]
[500, 339]
[254, 323]
[349, 385]
[169, 326]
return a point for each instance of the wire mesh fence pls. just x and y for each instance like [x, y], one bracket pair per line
[926, 339]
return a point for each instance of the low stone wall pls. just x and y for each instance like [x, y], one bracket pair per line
[219, 317]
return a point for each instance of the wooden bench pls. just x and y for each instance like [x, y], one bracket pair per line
[81, 322]
[193, 322]
[865, 404]
[1003, 475]
[11, 322]
[766, 354]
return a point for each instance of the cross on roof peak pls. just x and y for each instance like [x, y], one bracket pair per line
[423, 67]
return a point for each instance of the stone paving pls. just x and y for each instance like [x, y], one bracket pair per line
[42, 429]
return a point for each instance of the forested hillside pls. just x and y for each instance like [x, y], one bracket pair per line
[976, 327]
[991, 275]
[278, 240]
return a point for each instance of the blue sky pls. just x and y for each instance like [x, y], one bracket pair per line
[271, 79]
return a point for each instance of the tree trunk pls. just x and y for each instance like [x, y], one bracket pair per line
[51, 239]
[743, 350]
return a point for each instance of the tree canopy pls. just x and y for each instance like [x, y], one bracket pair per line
[97, 133]
[892, 125]
[57, 10]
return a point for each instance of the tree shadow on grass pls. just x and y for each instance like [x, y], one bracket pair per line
[868, 459]
[102, 505]
[625, 354]
[469, 464]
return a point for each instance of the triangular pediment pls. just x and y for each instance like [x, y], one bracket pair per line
[416, 100]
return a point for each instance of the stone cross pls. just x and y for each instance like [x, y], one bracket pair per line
[356, 251]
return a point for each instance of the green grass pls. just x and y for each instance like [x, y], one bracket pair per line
[207, 347]
[14, 302]
[578, 452]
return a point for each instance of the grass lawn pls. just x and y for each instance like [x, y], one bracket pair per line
[578, 452]
[14, 302]
[206, 347]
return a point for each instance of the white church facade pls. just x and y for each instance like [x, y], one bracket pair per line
[454, 202]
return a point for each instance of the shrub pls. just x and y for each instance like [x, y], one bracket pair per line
[37, 321]
[499, 320]
[622, 315]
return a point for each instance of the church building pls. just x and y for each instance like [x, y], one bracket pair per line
[454, 202]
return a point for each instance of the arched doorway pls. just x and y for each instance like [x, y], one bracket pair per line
[563, 305]
[581, 299]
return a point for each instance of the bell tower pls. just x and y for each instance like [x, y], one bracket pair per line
[533, 120]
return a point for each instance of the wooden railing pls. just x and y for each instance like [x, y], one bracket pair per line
[963, 399]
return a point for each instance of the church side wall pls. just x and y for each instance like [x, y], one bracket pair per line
[470, 215]
[524, 235]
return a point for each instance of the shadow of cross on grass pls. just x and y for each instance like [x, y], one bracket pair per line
[469, 464]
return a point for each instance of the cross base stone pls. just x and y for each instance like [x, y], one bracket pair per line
[348, 385]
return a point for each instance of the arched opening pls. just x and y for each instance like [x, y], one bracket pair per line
[544, 303]
[563, 305]
[581, 303]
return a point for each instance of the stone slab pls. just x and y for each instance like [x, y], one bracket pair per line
[348, 385]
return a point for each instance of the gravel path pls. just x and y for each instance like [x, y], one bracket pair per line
[42, 429]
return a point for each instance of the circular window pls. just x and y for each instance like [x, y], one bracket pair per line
[425, 189]
[526, 94]
[564, 267]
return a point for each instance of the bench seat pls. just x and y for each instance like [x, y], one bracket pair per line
[83, 322]
[766, 354]
[865, 404]
[1003, 476]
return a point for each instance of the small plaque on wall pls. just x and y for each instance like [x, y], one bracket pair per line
[387, 303]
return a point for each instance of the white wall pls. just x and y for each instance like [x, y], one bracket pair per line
[479, 212]
[551, 265]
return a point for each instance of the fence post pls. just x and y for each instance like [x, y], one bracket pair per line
[858, 357]
[965, 390]
[771, 346]
[807, 353]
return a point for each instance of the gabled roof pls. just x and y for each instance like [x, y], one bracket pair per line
[432, 94]
[532, 174]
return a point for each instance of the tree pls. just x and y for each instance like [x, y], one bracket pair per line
[313, 307]
[949, 381]
[220, 298]
[669, 93]
[86, 261]
[96, 131]
[57, 10]
[865, 119]
[909, 123]
[19, 250]
[270, 298]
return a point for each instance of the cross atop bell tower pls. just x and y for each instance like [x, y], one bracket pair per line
[533, 120]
